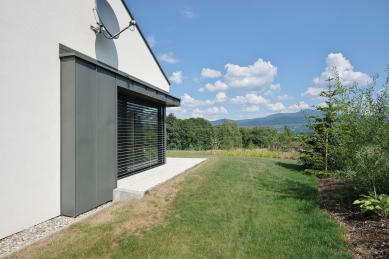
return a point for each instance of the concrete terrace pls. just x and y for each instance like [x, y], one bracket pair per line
[135, 186]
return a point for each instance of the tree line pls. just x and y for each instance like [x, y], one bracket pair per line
[200, 134]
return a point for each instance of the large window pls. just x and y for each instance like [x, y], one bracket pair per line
[141, 136]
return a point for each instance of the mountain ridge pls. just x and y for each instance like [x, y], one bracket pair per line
[278, 119]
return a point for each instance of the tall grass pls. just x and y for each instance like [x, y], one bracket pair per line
[258, 153]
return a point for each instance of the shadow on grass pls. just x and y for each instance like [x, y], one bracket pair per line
[293, 167]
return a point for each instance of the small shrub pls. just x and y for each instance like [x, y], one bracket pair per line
[319, 174]
[379, 204]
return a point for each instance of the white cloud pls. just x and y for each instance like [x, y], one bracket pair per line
[167, 57]
[177, 77]
[346, 72]
[217, 86]
[188, 13]
[176, 110]
[313, 92]
[276, 107]
[151, 41]
[253, 77]
[284, 97]
[221, 97]
[201, 89]
[249, 99]
[273, 89]
[186, 100]
[297, 107]
[322, 104]
[210, 111]
[252, 108]
[210, 73]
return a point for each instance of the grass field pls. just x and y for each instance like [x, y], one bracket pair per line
[227, 207]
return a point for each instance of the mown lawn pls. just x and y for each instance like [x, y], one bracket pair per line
[228, 207]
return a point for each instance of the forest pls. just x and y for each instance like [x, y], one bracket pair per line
[198, 134]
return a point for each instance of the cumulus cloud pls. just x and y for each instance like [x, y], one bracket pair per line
[177, 77]
[186, 100]
[253, 77]
[151, 41]
[221, 97]
[273, 89]
[251, 108]
[276, 107]
[346, 72]
[176, 110]
[313, 92]
[210, 73]
[217, 86]
[210, 111]
[201, 89]
[168, 57]
[249, 99]
[284, 97]
[322, 104]
[298, 106]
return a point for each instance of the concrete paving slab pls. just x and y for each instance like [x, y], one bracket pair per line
[135, 186]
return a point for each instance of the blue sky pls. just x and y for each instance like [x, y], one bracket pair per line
[248, 59]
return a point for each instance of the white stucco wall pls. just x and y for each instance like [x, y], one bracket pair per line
[30, 96]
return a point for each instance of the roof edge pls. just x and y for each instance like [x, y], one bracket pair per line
[65, 51]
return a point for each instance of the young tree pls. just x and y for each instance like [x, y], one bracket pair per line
[320, 146]
[285, 138]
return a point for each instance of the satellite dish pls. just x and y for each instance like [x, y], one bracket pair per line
[107, 22]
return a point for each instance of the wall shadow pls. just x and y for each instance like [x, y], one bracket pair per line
[105, 49]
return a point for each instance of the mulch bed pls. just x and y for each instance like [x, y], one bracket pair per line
[367, 235]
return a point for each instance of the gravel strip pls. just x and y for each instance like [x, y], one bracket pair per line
[17, 241]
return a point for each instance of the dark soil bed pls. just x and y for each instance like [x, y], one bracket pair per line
[367, 235]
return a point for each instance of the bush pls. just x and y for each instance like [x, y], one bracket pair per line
[320, 174]
[379, 204]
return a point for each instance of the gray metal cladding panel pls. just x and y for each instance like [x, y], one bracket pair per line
[161, 97]
[68, 136]
[106, 176]
[152, 93]
[140, 89]
[123, 82]
[85, 137]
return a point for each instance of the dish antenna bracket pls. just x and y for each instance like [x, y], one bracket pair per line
[100, 28]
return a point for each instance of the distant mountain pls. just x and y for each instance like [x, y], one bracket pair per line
[278, 120]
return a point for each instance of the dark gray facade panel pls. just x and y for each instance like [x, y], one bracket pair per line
[140, 89]
[162, 97]
[106, 175]
[85, 136]
[89, 128]
[68, 142]
[123, 82]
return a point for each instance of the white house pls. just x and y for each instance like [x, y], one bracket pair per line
[78, 110]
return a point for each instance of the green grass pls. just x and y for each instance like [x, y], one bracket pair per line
[229, 207]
